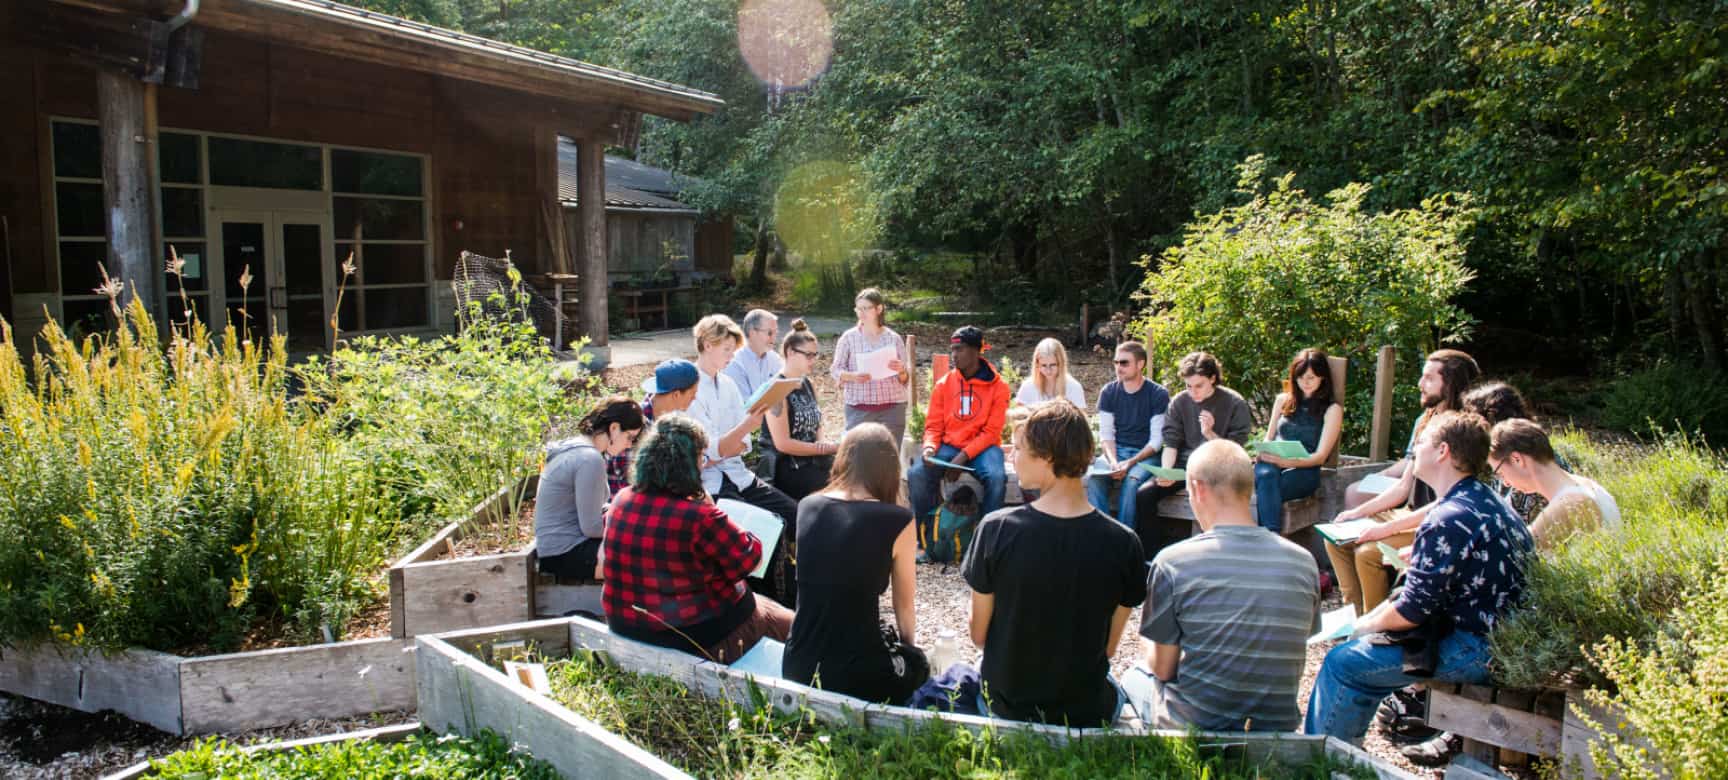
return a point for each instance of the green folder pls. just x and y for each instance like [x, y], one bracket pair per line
[1281, 448]
[1147, 471]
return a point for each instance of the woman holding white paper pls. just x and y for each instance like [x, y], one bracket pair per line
[873, 397]
[1307, 412]
[795, 424]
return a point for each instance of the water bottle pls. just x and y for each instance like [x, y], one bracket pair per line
[946, 653]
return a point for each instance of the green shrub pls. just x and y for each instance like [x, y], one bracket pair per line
[1669, 396]
[1673, 499]
[1671, 693]
[422, 755]
[1255, 283]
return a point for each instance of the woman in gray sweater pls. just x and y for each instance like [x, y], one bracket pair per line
[570, 507]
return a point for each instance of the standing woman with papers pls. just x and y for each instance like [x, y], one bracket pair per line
[795, 424]
[873, 382]
[1307, 412]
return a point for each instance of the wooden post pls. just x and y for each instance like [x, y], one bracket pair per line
[1380, 435]
[123, 107]
[591, 215]
[1085, 325]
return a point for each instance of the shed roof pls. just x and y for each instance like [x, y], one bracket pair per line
[630, 185]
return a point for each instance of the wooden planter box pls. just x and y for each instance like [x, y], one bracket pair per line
[1507, 726]
[429, 594]
[219, 693]
[383, 734]
[458, 691]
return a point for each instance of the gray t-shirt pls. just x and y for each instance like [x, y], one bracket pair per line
[1231, 419]
[568, 506]
[1241, 602]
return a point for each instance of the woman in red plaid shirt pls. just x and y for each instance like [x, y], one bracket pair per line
[675, 564]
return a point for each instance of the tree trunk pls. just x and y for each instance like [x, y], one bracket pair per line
[1701, 299]
[759, 263]
[777, 260]
[1114, 254]
[1674, 300]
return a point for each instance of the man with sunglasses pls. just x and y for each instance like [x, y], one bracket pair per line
[963, 426]
[1130, 424]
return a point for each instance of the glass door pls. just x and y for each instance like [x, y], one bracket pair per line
[297, 303]
[280, 257]
[243, 239]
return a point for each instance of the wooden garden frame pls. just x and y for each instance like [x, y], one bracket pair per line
[395, 733]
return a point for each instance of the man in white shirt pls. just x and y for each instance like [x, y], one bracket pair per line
[756, 365]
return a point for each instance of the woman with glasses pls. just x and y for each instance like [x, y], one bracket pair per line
[870, 399]
[1050, 379]
[570, 506]
[795, 424]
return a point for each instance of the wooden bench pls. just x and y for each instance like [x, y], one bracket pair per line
[639, 301]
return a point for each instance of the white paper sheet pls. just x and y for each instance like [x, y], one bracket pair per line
[1336, 624]
[876, 363]
[761, 523]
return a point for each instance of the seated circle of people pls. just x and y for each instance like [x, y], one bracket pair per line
[1307, 411]
[962, 431]
[755, 364]
[719, 409]
[570, 503]
[671, 388]
[802, 459]
[1053, 583]
[1359, 566]
[1202, 411]
[854, 542]
[1228, 612]
[866, 398]
[1050, 379]
[1131, 411]
[1524, 459]
[674, 563]
[1467, 569]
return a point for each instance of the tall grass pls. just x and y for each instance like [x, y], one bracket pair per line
[1673, 497]
[164, 494]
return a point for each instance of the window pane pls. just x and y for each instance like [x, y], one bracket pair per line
[350, 319]
[302, 258]
[238, 163]
[343, 251]
[373, 173]
[79, 207]
[243, 249]
[182, 212]
[389, 220]
[401, 308]
[393, 264]
[200, 305]
[82, 318]
[80, 266]
[178, 157]
[77, 150]
[194, 269]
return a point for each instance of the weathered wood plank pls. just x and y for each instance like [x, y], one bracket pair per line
[459, 693]
[550, 637]
[561, 600]
[143, 685]
[493, 507]
[1380, 430]
[240, 691]
[487, 590]
[1519, 701]
[395, 733]
[1382, 770]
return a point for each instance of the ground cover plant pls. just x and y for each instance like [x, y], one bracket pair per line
[167, 493]
[1630, 585]
[713, 738]
[424, 754]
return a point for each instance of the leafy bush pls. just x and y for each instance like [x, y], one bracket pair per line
[1672, 694]
[164, 498]
[421, 755]
[1255, 283]
[1673, 500]
[1668, 396]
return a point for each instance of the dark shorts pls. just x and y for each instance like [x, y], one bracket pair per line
[576, 563]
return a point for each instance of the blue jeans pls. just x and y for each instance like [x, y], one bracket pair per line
[1098, 490]
[1273, 486]
[925, 483]
[1357, 675]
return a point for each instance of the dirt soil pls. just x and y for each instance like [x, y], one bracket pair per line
[494, 540]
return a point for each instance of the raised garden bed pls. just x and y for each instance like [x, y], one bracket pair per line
[460, 691]
[384, 734]
[1511, 727]
[432, 589]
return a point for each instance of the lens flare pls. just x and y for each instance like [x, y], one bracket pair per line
[786, 43]
[823, 211]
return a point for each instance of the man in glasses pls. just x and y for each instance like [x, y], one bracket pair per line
[1130, 420]
[754, 366]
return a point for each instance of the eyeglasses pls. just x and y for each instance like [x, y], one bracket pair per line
[811, 355]
[1497, 467]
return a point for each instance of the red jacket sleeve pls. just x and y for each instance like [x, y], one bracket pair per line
[991, 434]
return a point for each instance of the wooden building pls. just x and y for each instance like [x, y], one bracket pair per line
[281, 137]
[650, 230]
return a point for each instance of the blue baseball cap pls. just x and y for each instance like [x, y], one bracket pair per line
[670, 376]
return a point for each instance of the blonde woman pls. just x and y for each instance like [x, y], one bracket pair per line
[872, 400]
[1050, 379]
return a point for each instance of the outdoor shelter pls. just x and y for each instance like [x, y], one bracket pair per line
[281, 137]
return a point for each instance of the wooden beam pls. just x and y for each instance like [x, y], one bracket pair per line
[591, 215]
[128, 198]
[1380, 435]
[243, 691]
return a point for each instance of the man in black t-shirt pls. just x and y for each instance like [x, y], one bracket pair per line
[1053, 584]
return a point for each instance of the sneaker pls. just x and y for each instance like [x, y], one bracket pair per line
[1434, 752]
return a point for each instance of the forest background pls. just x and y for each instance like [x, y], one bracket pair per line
[1059, 148]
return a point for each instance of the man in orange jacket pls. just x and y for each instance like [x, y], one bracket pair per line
[963, 426]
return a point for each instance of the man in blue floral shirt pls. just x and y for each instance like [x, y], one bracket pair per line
[1466, 570]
